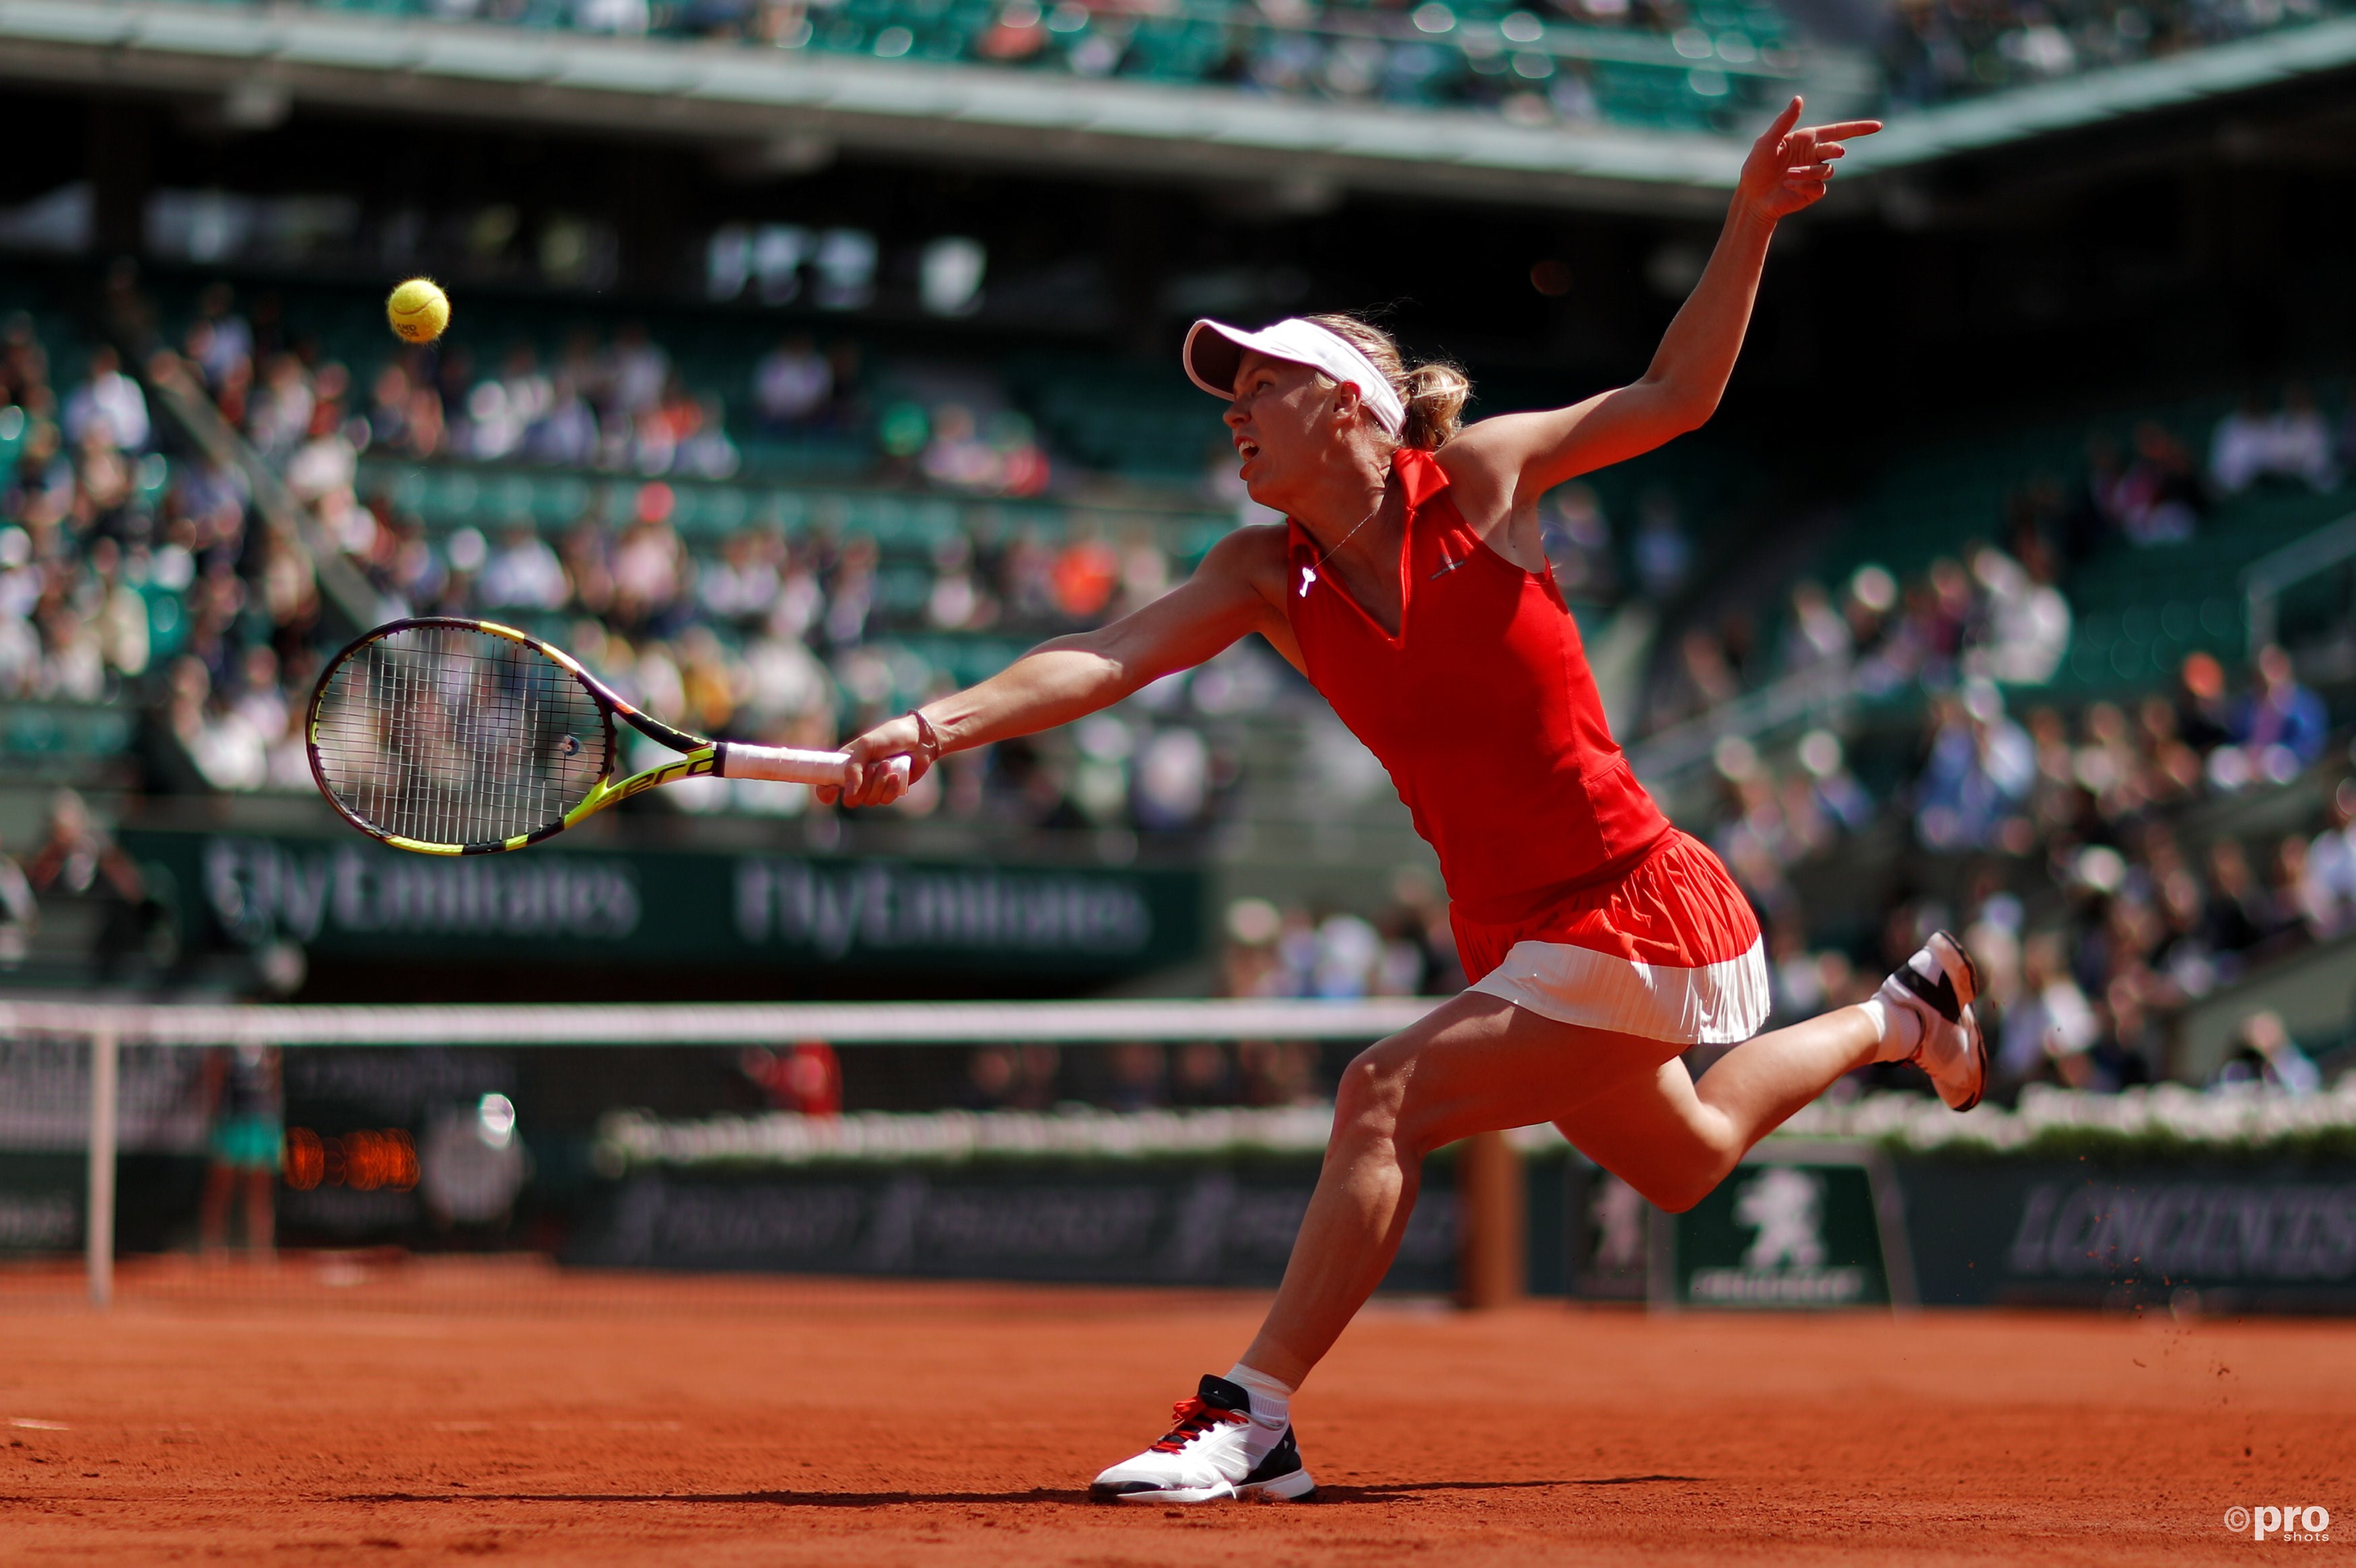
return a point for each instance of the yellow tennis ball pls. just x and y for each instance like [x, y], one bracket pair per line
[419, 311]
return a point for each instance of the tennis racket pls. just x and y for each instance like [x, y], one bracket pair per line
[456, 737]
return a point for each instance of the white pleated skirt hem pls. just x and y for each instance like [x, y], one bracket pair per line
[1710, 1004]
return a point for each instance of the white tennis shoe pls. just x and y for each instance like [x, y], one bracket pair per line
[1212, 1452]
[1937, 985]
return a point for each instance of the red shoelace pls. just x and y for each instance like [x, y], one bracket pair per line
[1189, 1419]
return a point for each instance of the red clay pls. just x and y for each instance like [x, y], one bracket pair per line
[459, 1412]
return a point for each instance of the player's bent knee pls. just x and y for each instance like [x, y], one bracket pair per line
[1675, 1195]
[1372, 1091]
[1372, 1083]
[1677, 1188]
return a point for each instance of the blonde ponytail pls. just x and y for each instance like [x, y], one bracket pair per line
[1433, 394]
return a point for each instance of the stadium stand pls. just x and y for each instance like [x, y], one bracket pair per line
[814, 357]
[1939, 51]
[96, 598]
[930, 566]
[1648, 66]
[1697, 68]
[926, 520]
[2033, 698]
[773, 603]
[84, 488]
[2037, 688]
[896, 582]
[765, 512]
[1943, 565]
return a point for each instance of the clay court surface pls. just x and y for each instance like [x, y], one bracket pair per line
[518, 1416]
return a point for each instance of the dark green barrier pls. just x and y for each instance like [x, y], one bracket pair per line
[350, 897]
[1225, 1222]
[1783, 1234]
[2276, 1237]
[1797, 1231]
[62, 739]
[1230, 1222]
[44, 1201]
[1793, 1226]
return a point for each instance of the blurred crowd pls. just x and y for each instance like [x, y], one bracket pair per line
[2148, 918]
[2157, 490]
[1538, 62]
[122, 572]
[2288, 440]
[1535, 62]
[1406, 949]
[2102, 902]
[1991, 621]
[77, 526]
[132, 563]
[78, 885]
[1590, 568]
[1990, 615]
[2109, 901]
[1991, 782]
[1943, 49]
[793, 642]
[617, 404]
[616, 407]
[1142, 1075]
[754, 636]
[2004, 613]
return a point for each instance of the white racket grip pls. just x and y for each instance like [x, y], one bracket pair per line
[785, 765]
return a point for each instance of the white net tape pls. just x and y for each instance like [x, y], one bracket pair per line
[396, 1137]
[748, 1023]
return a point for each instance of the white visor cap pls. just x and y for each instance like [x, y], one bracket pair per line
[1214, 352]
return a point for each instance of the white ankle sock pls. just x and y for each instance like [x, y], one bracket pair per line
[1271, 1402]
[1901, 1028]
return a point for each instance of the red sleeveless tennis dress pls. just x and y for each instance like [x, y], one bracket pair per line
[1571, 894]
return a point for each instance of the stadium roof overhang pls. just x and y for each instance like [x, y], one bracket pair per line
[783, 106]
[756, 98]
[2095, 97]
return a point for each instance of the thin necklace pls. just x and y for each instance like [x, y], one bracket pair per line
[1308, 573]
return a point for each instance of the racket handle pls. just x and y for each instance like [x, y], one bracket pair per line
[785, 765]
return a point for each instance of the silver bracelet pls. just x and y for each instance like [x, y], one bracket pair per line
[927, 736]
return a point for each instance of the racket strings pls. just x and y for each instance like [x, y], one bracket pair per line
[449, 735]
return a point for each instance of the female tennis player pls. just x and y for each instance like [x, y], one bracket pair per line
[1408, 583]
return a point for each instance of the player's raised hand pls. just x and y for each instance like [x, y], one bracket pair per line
[873, 780]
[1791, 164]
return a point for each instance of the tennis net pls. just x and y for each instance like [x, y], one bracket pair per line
[465, 1157]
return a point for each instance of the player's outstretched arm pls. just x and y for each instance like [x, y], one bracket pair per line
[1513, 459]
[1233, 593]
